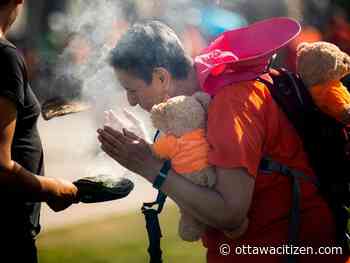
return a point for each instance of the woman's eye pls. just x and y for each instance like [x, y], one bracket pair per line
[132, 93]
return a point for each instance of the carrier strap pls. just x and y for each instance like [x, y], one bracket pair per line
[267, 166]
[152, 223]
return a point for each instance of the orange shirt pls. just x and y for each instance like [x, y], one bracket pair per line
[245, 125]
[188, 153]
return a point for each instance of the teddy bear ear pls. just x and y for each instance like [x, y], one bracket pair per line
[343, 64]
[158, 115]
[203, 98]
[302, 46]
[346, 60]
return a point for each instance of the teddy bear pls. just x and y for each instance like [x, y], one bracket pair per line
[182, 120]
[321, 66]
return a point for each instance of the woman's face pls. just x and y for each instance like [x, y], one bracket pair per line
[139, 92]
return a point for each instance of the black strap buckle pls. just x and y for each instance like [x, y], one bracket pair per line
[160, 201]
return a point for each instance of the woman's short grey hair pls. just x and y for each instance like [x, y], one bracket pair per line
[148, 45]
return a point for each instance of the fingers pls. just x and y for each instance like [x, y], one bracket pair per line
[113, 115]
[58, 206]
[111, 119]
[118, 135]
[126, 148]
[130, 135]
[113, 139]
[136, 124]
[132, 118]
[114, 118]
[111, 151]
[107, 118]
[115, 144]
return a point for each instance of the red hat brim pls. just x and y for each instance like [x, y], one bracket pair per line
[246, 50]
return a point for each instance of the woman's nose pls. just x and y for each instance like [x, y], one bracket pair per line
[132, 100]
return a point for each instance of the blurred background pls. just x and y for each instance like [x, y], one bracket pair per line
[66, 42]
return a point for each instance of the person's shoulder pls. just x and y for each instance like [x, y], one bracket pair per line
[4, 43]
[242, 94]
[244, 88]
[9, 52]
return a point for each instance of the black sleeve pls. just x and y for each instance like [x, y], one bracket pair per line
[11, 76]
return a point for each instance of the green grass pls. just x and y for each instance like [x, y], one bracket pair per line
[116, 239]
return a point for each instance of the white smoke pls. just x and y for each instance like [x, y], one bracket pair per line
[90, 25]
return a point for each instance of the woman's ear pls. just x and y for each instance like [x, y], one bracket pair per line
[162, 77]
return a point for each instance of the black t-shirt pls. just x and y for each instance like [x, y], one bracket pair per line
[21, 217]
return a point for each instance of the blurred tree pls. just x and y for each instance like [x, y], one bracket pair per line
[317, 13]
[345, 4]
[255, 10]
[39, 12]
[35, 44]
[295, 9]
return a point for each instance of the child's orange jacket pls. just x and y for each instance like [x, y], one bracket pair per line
[188, 153]
[332, 98]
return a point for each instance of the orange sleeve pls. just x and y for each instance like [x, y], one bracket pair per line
[332, 98]
[165, 147]
[236, 128]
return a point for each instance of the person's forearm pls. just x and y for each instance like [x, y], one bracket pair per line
[207, 205]
[24, 184]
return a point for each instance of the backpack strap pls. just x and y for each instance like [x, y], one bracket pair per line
[152, 223]
[291, 95]
[268, 166]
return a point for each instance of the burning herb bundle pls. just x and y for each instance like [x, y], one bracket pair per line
[103, 188]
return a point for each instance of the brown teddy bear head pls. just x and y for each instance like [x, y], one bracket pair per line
[320, 62]
[181, 114]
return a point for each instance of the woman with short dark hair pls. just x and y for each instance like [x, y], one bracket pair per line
[244, 124]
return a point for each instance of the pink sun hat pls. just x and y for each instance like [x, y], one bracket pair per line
[243, 54]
